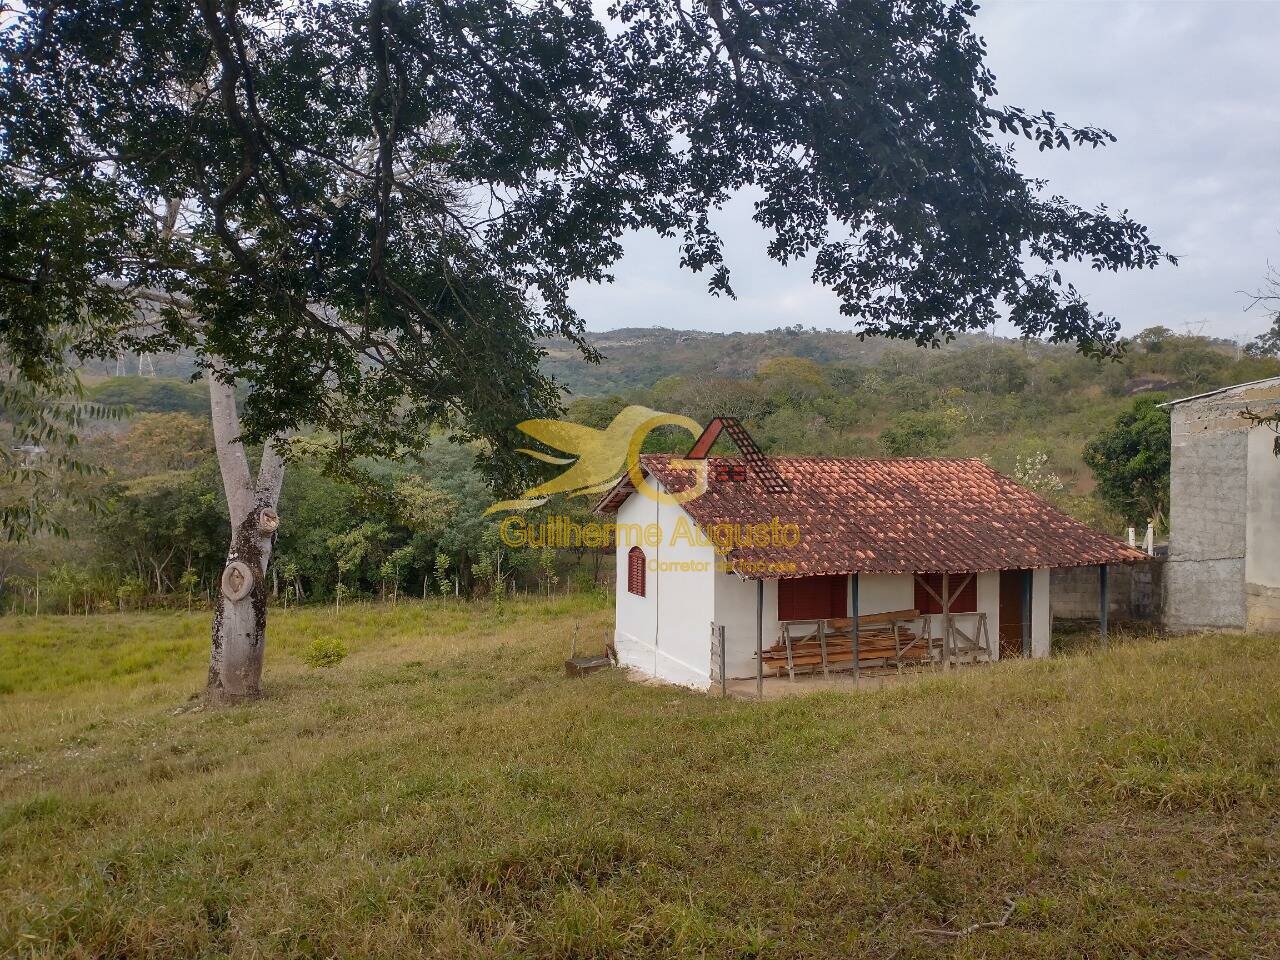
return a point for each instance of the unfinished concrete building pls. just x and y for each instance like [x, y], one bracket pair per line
[1223, 570]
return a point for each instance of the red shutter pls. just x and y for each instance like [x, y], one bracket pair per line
[635, 571]
[966, 601]
[812, 598]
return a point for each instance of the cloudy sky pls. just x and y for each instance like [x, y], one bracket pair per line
[1192, 90]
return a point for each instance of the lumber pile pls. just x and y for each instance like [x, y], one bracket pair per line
[876, 642]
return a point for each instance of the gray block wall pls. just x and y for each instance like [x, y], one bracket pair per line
[1205, 580]
[1134, 592]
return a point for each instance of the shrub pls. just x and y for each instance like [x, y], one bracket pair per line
[325, 652]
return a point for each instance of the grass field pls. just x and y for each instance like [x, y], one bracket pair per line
[445, 791]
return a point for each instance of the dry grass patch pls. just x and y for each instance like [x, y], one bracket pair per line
[445, 791]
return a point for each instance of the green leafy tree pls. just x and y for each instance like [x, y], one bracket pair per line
[918, 434]
[41, 458]
[131, 592]
[154, 443]
[1130, 461]
[393, 568]
[441, 574]
[360, 551]
[161, 524]
[1196, 363]
[188, 583]
[292, 579]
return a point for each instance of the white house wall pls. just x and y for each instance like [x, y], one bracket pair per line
[735, 610]
[1262, 546]
[882, 592]
[685, 601]
[635, 618]
[667, 632]
[1041, 618]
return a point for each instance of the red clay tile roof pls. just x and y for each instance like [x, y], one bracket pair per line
[889, 516]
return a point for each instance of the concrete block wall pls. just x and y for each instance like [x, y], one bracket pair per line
[1222, 563]
[1134, 591]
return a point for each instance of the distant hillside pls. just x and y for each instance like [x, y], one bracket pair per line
[638, 357]
[152, 395]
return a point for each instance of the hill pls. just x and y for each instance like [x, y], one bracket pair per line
[638, 357]
[445, 791]
[152, 395]
[1028, 408]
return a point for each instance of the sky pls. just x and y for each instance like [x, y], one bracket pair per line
[1191, 89]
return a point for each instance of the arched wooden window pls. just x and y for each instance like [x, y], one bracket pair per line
[635, 571]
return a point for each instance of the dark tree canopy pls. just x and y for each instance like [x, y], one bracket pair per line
[370, 211]
[1130, 460]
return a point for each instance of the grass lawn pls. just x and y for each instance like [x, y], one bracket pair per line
[445, 791]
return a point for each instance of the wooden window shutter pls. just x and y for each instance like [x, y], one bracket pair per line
[635, 571]
[812, 598]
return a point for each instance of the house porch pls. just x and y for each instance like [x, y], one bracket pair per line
[804, 630]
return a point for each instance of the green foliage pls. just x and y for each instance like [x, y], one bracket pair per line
[1034, 473]
[131, 592]
[597, 412]
[441, 573]
[912, 434]
[154, 443]
[325, 651]
[338, 162]
[1130, 461]
[1027, 409]
[40, 460]
[153, 395]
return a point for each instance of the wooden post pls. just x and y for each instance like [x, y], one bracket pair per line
[760, 639]
[822, 644]
[1026, 612]
[946, 621]
[1102, 604]
[724, 678]
[853, 627]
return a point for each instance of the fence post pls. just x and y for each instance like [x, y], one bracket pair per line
[760, 639]
[853, 628]
[1026, 612]
[724, 676]
[1102, 605]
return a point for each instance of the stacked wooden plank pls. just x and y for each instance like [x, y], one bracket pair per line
[877, 642]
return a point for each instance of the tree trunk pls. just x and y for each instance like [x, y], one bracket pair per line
[240, 605]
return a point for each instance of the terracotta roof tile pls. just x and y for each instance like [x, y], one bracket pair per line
[889, 516]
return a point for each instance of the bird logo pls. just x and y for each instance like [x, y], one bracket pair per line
[597, 458]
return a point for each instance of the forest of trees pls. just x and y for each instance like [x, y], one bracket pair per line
[150, 526]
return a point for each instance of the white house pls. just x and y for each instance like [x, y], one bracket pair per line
[933, 560]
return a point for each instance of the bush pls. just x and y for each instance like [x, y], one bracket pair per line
[325, 652]
[918, 434]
